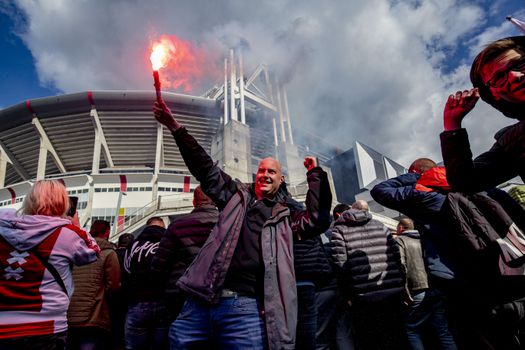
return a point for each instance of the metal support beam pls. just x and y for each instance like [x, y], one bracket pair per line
[3, 168]
[44, 142]
[225, 91]
[159, 149]
[233, 83]
[287, 113]
[16, 165]
[256, 99]
[42, 160]
[281, 118]
[241, 89]
[159, 160]
[255, 75]
[86, 215]
[100, 142]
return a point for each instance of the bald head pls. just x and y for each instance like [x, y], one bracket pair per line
[268, 179]
[360, 204]
[421, 165]
[404, 224]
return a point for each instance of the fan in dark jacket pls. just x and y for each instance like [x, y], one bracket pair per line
[370, 279]
[147, 320]
[497, 75]
[312, 271]
[243, 278]
[421, 195]
[180, 245]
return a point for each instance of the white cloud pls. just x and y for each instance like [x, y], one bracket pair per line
[370, 70]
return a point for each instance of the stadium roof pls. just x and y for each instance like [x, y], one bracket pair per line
[68, 125]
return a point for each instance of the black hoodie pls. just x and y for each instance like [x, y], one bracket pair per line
[137, 265]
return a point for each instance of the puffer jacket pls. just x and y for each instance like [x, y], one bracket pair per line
[94, 284]
[31, 300]
[311, 263]
[412, 264]
[368, 256]
[205, 276]
[180, 245]
[504, 161]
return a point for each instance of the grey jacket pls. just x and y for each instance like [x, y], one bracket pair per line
[412, 263]
[205, 277]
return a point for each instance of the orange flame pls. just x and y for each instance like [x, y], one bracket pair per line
[161, 53]
[185, 64]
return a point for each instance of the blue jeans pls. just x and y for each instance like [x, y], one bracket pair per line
[234, 323]
[147, 325]
[306, 316]
[428, 305]
[334, 325]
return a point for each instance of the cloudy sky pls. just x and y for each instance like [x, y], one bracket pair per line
[376, 71]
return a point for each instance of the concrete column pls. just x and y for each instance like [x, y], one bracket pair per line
[95, 166]
[3, 170]
[42, 160]
[294, 170]
[231, 147]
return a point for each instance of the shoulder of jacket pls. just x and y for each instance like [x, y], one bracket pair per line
[510, 131]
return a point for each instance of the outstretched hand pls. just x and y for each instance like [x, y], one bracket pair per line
[458, 106]
[310, 163]
[164, 116]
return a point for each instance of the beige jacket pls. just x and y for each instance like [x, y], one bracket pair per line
[94, 283]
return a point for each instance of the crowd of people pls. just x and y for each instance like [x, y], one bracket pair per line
[251, 268]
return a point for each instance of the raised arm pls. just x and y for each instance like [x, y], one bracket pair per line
[218, 185]
[316, 218]
[399, 194]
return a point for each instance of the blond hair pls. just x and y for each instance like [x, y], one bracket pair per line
[46, 197]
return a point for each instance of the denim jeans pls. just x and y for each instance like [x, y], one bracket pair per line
[427, 305]
[306, 316]
[147, 325]
[334, 324]
[234, 323]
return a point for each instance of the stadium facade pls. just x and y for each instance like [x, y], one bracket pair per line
[124, 167]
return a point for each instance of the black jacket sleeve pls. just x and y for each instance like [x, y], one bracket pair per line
[218, 185]
[316, 218]
[399, 194]
[488, 170]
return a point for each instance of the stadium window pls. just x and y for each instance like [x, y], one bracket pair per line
[98, 190]
[104, 189]
[149, 188]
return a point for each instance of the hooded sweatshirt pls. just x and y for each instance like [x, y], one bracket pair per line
[31, 300]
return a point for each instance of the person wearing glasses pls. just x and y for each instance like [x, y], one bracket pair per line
[498, 77]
